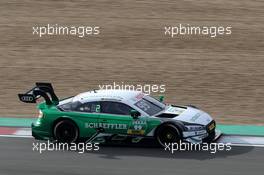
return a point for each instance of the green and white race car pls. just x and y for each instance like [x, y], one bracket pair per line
[105, 115]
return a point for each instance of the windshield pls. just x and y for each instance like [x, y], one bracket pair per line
[150, 105]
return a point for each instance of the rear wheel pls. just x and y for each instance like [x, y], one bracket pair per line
[168, 134]
[66, 131]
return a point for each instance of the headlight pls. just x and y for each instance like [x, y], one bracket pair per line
[194, 127]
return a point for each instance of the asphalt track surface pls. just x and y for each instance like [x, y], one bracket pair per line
[17, 157]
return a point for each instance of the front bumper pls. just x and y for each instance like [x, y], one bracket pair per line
[208, 134]
[207, 137]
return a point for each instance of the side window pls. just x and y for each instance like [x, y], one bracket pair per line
[86, 107]
[115, 108]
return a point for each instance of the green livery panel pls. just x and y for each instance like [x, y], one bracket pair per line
[88, 123]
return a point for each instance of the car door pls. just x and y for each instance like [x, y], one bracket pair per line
[88, 115]
[116, 119]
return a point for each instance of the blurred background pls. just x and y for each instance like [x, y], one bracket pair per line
[222, 75]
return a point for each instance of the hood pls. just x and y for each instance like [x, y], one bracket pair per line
[188, 114]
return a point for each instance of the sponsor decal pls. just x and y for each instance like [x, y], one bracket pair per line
[27, 98]
[106, 125]
[98, 108]
[139, 96]
[139, 122]
[175, 110]
[137, 127]
[195, 117]
[136, 132]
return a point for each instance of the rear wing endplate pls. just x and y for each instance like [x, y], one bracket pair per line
[44, 90]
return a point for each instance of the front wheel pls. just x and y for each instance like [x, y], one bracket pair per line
[168, 134]
[65, 131]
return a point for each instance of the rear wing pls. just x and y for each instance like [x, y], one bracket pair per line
[44, 90]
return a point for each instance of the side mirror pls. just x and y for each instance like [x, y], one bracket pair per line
[135, 114]
[161, 98]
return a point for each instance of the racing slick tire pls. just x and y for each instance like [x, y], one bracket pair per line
[168, 133]
[65, 131]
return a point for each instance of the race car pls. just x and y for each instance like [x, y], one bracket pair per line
[103, 115]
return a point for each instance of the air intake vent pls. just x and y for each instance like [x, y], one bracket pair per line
[167, 115]
[183, 107]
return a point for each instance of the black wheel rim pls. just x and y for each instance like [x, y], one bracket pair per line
[65, 132]
[168, 135]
